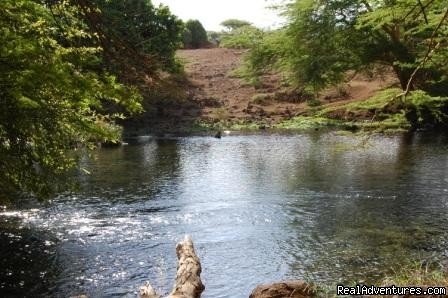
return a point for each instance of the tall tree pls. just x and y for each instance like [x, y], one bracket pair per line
[325, 39]
[195, 35]
[52, 91]
[150, 30]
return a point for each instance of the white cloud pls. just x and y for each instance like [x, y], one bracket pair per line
[212, 12]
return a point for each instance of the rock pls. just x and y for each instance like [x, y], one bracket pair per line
[289, 289]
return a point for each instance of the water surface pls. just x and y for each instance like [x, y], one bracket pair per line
[326, 207]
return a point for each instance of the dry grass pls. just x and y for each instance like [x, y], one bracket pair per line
[418, 275]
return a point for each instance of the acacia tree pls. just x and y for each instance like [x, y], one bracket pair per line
[233, 24]
[325, 39]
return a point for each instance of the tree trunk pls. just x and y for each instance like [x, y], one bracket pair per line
[403, 76]
[188, 278]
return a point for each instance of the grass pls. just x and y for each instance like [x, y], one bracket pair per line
[415, 274]
[308, 122]
[418, 274]
[392, 123]
[320, 117]
[203, 126]
[376, 102]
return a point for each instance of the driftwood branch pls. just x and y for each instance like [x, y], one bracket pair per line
[188, 278]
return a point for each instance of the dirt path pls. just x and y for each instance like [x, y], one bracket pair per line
[223, 96]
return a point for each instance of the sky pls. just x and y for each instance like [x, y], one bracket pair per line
[212, 12]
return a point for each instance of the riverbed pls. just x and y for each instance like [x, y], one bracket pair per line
[325, 207]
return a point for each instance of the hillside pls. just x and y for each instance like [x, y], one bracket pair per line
[212, 93]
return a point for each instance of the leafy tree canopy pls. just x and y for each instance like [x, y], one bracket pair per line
[233, 24]
[195, 35]
[242, 38]
[63, 65]
[325, 39]
[153, 31]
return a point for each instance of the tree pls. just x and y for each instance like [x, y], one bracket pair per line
[195, 36]
[52, 93]
[233, 24]
[325, 39]
[245, 37]
[214, 37]
[153, 31]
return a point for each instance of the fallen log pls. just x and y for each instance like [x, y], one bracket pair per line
[188, 278]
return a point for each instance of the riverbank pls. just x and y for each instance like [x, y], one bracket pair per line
[211, 95]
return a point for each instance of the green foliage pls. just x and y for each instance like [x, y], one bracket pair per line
[244, 37]
[147, 29]
[426, 111]
[265, 55]
[233, 24]
[313, 102]
[325, 39]
[187, 38]
[307, 123]
[214, 37]
[418, 273]
[51, 95]
[420, 110]
[377, 102]
[194, 36]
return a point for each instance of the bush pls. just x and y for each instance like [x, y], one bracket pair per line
[242, 38]
[263, 56]
[214, 37]
[425, 111]
[194, 36]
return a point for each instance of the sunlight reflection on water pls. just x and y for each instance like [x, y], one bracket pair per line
[260, 209]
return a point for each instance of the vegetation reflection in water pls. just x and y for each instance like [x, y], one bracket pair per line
[325, 207]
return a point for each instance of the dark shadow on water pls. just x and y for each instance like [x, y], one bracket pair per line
[28, 261]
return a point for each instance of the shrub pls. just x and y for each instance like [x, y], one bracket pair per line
[194, 36]
[242, 38]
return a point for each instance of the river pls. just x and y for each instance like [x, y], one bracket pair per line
[325, 207]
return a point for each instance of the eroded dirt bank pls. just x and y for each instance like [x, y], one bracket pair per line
[211, 93]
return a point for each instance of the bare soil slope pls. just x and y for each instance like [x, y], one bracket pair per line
[223, 96]
[211, 92]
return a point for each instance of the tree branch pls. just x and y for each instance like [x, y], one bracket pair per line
[432, 47]
[423, 11]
